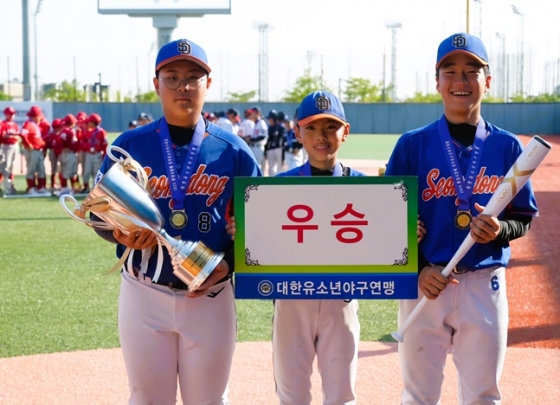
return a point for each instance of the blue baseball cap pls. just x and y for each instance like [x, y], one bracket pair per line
[320, 104]
[462, 43]
[182, 49]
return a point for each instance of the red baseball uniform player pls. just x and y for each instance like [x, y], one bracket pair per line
[34, 144]
[55, 145]
[96, 140]
[68, 156]
[71, 125]
[9, 131]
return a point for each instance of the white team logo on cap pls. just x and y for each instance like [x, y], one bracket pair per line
[459, 41]
[183, 47]
[322, 103]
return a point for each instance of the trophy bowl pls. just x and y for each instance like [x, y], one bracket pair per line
[121, 199]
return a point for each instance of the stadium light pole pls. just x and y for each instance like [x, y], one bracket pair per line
[479, 17]
[503, 94]
[468, 16]
[37, 10]
[521, 50]
[393, 26]
[263, 29]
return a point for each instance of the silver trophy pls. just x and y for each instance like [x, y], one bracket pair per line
[121, 198]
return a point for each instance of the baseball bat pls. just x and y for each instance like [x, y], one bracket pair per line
[514, 180]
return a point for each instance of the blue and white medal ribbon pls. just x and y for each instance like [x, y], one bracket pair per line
[178, 183]
[464, 185]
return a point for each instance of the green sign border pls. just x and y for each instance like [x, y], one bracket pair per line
[405, 265]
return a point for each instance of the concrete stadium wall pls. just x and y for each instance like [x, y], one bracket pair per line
[520, 118]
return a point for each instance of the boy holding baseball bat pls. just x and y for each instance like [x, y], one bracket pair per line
[460, 160]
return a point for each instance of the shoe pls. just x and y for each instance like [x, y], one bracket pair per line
[43, 191]
[11, 191]
[84, 191]
[65, 190]
[32, 191]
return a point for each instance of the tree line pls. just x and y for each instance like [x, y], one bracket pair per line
[356, 90]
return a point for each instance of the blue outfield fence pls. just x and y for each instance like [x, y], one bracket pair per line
[378, 118]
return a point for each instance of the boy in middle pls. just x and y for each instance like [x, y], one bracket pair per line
[328, 329]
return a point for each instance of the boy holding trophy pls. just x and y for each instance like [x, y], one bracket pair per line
[166, 334]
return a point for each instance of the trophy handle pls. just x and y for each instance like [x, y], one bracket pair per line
[79, 211]
[130, 165]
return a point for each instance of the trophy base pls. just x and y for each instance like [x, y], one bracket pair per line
[195, 267]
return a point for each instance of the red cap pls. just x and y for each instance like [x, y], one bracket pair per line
[81, 116]
[57, 123]
[9, 111]
[35, 111]
[69, 119]
[94, 118]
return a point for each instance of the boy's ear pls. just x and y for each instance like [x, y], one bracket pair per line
[346, 132]
[298, 134]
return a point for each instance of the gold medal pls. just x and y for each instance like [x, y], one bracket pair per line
[178, 219]
[463, 220]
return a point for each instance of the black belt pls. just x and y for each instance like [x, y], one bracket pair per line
[179, 284]
[456, 270]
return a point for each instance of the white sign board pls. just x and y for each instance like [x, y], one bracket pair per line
[174, 7]
[317, 225]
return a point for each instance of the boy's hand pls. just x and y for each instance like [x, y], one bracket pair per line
[432, 282]
[231, 229]
[484, 228]
[217, 274]
[138, 240]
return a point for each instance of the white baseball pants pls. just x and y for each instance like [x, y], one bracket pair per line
[10, 153]
[294, 160]
[165, 335]
[302, 329]
[92, 163]
[274, 157]
[471, 318]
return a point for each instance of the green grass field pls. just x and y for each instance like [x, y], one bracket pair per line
[55, 294]
[357, 146]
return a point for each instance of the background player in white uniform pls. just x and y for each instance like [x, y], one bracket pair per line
[233, 116]
[223, 122]
[167, 332]
[469, 311]
[258, 137]
[246, 127]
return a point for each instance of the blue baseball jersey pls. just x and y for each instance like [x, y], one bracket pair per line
[420, 153]
[298, 171]
[222, 156]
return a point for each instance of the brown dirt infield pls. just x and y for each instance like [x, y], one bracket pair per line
[531, 374]
[98, 377]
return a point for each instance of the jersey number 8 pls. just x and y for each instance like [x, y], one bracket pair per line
[204, 222]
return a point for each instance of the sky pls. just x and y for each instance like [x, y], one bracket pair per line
[338, 38]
